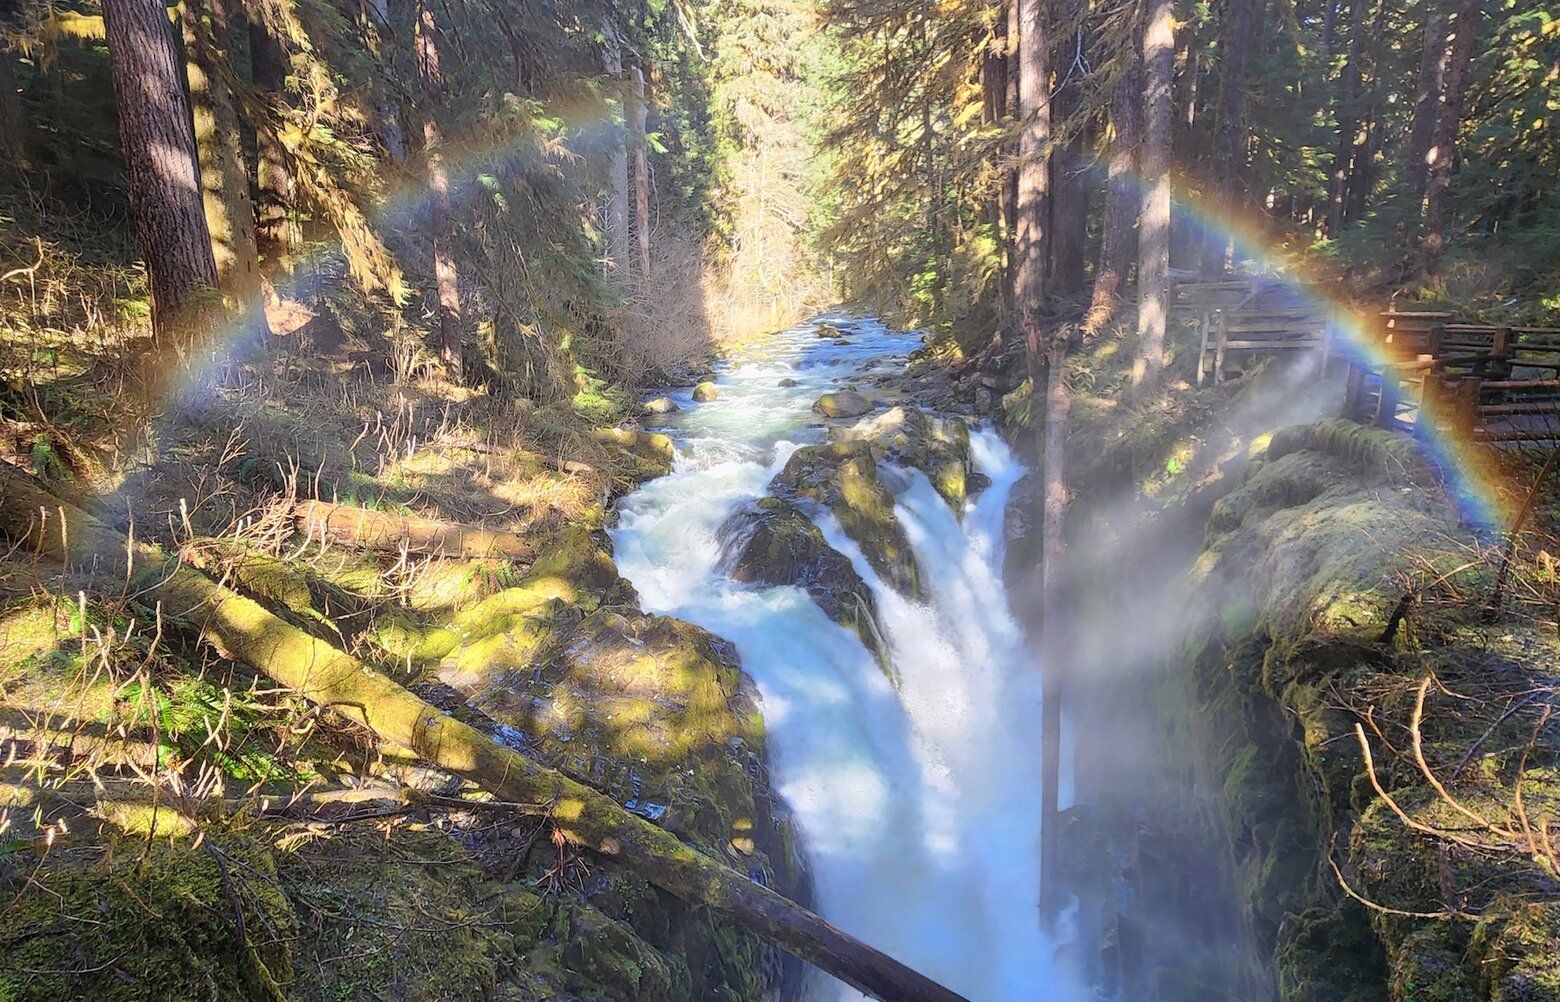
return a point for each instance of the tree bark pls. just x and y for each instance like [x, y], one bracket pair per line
[994, 91]
[245, 631]
[1030, 252]
[1069, 185]
[1052, 626]
[1362, 175]
[159, 144]
[1443, 153]
[1154, 231]
[1427, 97]
[617, 171]
[441, 234]
[364, 528]
[1013, 110]
[13, 125]
[1118, 235]
[276, 230]
[230, 214]
[1348, 116]
[1229, 129]
[639, 118]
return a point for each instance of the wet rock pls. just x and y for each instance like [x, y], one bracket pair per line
[661, 405]
[788, 382]
[830, 331]
[705, 392]
[842, 476]
[938, 447]
[842, 404]
[653, 448]
[772, 541]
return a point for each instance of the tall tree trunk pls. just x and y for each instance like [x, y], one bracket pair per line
[1348, 116]
[1329, 21]
[640, 119]
[1069, 185]
[440, 227]
[160, 158]
[276, 230]
[230, 214]
[1443, 153]
[1052, 628]
[1118, 235]
[1427, 98]
[994, 93]
[1010, 175]
[617, 170]
[1030, 255]
[1154, 231]
[1362, 173]
[1229, 130]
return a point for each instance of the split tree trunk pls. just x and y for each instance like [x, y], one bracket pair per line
[160, 158]
[1154, 232]
[245, 631]
[441, 234]
[1118, 236]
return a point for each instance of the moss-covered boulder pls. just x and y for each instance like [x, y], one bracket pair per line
[653, 450]
[773, 542]
[705, 392]
[842, 476]
[842, 404]
[938, 447]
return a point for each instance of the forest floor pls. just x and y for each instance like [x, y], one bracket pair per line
[172, 823]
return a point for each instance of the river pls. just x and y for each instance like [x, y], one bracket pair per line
[919, 805]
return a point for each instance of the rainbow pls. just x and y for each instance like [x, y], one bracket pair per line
[1470, 471]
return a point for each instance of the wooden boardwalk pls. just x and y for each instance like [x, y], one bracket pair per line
[1492, 383]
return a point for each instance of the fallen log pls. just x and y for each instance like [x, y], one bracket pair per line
[364, 528]
[244, 630]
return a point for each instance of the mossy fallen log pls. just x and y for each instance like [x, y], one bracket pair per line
[350, 525]
[37, 521]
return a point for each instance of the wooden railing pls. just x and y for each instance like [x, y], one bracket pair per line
[1494, 383]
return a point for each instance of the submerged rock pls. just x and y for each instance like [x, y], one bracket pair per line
[842, 476]
[788, 382]
[772, 541]
[938, 447]
[842, 404]
[705, 392]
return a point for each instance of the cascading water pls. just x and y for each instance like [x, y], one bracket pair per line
[920, 804]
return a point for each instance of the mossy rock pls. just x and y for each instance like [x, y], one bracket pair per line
[706, 392]
[771, 541]
[938, 447]
[842, 404]
[654, 450]
[842, 476]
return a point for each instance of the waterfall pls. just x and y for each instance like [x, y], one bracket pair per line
[919, 805]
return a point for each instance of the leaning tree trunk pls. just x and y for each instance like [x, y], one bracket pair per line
[1229, 129]
[160, 158]
[230, 213]
[39, 523]
[1444, 152]
[1154, 231]
[1118, 231]
[440, 226]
